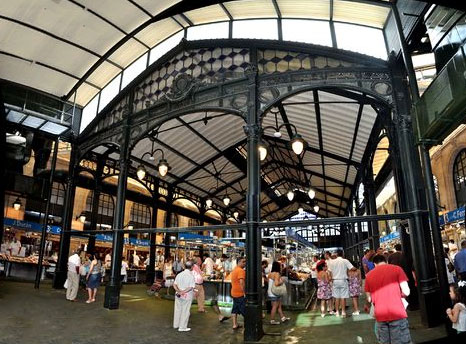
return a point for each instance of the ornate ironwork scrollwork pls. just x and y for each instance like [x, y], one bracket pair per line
[183, 86]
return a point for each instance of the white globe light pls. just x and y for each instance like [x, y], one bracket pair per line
[163, 167]
[311, 193]
[316, 208]
[226, 200]
[277, 134]
[82, 218]
[236, 214]
[208, 203]
[262, 152]
[290, 195]
[298, 147]
[300, 210]
[17, 204]
[141, 172]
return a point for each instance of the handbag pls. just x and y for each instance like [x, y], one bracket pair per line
[66, 285]
[451, 267]
[279, 290]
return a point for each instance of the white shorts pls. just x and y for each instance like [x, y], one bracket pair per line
[340, 289]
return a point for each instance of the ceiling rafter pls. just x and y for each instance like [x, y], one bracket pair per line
[319, 134]
[355, 135]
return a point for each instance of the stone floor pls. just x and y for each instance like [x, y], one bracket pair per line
[44, 316]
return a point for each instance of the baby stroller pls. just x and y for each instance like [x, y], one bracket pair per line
[155, 288]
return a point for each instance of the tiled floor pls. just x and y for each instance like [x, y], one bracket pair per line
[44, 316]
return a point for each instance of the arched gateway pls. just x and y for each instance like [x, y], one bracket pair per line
[206, 106]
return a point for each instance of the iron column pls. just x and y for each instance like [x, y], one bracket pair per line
[253, 318]
[46, 217]
[61, 270]
[112, 290]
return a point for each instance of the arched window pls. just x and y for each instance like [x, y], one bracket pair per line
[459, 178]
[140, 215]
[58, 194]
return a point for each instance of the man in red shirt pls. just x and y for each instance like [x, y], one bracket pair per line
[386, 286]
[238, 280]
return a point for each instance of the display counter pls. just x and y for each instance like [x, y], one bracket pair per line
[299, 294]
[24, 268]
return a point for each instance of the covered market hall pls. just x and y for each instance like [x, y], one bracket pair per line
[244, 146]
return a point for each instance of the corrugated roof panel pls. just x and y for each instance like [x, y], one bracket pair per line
[128, 52]
[223, 132]
[35, 76]
[103, 74]
[316, 9]
[352, 173]
[365, 128]
[312, 162]
[360, 13]
[36, 46]
[159, 31]
[251, 9]
[338, 122]
[209, 14]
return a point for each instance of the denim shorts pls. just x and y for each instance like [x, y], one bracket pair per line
[239, 305]
[274, 298]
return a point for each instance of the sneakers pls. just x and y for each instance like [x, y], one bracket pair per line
[355, 313]
[331, 312]
[274, 322]
[284, 319]
[187, 329]
[337, 314]
[323, 315]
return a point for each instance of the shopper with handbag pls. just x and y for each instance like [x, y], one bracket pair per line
[276, 290]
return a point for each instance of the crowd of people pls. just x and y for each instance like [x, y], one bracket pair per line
[335, 278]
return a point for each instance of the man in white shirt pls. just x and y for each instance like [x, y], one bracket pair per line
[136, 260]
[123, 272]
[340, 290]
[184, 287]
[74, 262]
[208, 264]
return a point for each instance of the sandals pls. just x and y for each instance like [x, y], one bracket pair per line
[224, 319]
[237, 327]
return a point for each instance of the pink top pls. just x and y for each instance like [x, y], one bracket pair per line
[197, 274]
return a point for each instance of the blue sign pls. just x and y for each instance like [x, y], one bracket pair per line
[389, 237]
[30, 226]
[455, 215]
[193, 236]
[441, 220]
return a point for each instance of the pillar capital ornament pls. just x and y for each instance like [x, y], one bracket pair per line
[253, 130]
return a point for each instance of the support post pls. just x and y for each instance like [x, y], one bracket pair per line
[46, 217]
[424, 259]
[112, 290]
[150, 273]
[429, 300]
[95, 203]
[253, 319]
[168, 224]
[61, 270]
[371, 209]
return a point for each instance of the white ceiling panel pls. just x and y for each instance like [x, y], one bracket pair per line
[65, 20]
[84, 93]
[156, 6]
[209, 14]
[122, 13]
[35, 76]
[34, 45]
[159, 31]
[103, 74]
[128, 52]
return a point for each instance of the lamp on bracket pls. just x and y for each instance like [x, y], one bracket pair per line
[297, 143]
[162, 167]
[17, 204]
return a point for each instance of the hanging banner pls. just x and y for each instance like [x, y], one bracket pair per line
[455, 215]
[30, 226]
[390, 237]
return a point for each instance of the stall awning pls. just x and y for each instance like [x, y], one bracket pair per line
[193, 236]
[29, 226]
[453, 216]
